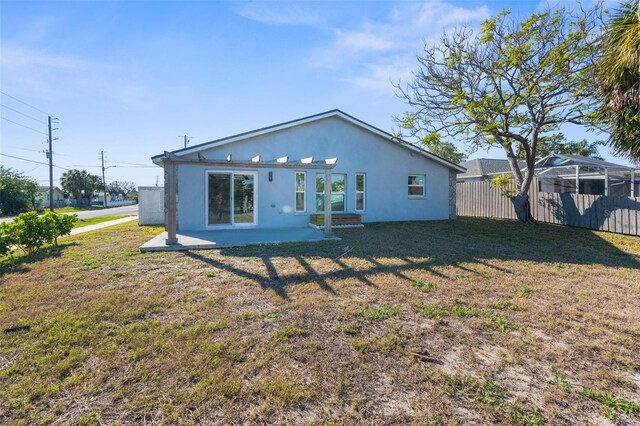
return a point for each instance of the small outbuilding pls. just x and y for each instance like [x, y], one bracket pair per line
[301, 173]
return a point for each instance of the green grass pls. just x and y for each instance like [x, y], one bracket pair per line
[98, 332]
[289, 332]
[95, 220]
[423, 286]
[494, 396]
[391, 342]
[382, 312]
[612, 403]
[559, 380]
[459, 309]
[71, 209]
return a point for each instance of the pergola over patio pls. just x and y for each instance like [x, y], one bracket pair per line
[170, 161]
[576, 167]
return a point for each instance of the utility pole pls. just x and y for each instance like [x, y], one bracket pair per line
[185, 140]
[50, 155]
[104, 182]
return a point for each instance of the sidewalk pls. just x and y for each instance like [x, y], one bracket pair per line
[90, 228]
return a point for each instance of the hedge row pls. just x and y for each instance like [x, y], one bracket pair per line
[30, 231]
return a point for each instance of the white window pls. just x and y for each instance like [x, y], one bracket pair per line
[338, 183]
[361, 182]
[301, 178]
[416, 185]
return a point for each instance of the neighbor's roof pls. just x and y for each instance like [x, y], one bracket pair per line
[566, 160]
[486, 167]
[333, 113]
[46, 188]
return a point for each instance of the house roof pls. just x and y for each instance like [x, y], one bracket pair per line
[46, 188]
[566, 160]
[157, 159]
[480, 167]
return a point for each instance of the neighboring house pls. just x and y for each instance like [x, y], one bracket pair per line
[568, 173]
[482, 169]
[563, 173]
[98, 197]
[274, 177]
[59, 199]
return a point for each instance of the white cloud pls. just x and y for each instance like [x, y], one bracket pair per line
[377, 52]
[368, 54]
[279, 13]
[379, 77]
[441, 14]
[17, 58]
[65, 76]
[363, 41]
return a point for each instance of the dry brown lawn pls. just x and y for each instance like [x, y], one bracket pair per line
[455, 322]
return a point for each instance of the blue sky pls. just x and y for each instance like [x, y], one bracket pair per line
[128, 77]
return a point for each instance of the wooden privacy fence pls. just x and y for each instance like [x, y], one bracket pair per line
[604, 213]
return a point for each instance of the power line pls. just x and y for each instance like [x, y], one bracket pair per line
[23, 102]
[118, 166]
[128, 164]
[29, 171]
[22, 113]
[22, 125]
[24, 149]
[32, 161]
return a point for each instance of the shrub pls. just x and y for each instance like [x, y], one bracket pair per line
[7, 240]
[31, 232]
[59, 224]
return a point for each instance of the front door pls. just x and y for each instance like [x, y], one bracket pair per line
[231, 199]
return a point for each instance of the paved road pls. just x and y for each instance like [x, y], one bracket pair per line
[111, 211]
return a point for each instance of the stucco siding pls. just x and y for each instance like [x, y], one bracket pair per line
[386, 165]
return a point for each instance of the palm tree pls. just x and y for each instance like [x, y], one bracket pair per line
[618, 73]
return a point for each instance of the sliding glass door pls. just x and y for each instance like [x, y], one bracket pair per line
[230, 199]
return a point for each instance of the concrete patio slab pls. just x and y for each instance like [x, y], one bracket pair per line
[195, 240]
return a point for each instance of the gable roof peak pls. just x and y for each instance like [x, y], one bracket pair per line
[311, 118]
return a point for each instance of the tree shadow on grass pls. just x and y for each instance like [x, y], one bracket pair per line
[20, 264]
[398, 248]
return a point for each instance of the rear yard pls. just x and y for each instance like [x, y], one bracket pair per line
[427, 323]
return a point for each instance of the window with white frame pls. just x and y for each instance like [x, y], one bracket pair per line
[338, 185]
[415, 185]
[301, 178]
[361, 182]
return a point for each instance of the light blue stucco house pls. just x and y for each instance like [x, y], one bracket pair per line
[275, 177]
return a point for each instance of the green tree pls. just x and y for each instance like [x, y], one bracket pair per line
[121, 187]
[508, 85]
[618, 74]
[557, 144]
[18, 193]
[80, 184]
[410, 129]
